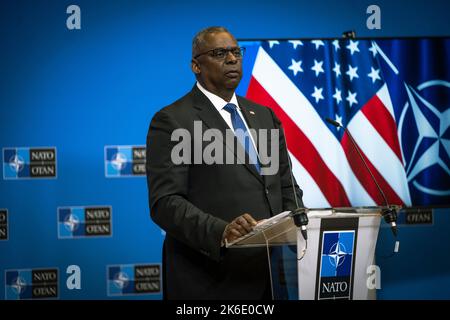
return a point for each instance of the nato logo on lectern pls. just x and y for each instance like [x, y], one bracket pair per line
[133, 279]
[80, 222]
[124, 161]
[24, 284]
[29, 163]
[3, 224]
[336, 263]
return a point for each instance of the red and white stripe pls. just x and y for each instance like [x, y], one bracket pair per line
[330, 172]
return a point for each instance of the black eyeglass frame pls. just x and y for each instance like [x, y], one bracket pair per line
[227, 50]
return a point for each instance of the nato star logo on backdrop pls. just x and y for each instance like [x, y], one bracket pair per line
[430, 148]
[84, 221]
[16, 163]
[18, 285]
[124, 161]
[26, 163]
[133, 279]
[24, 284]
[71, 222]
[121, 280]
[418, 75]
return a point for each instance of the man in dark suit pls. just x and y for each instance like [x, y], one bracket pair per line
[201, 206]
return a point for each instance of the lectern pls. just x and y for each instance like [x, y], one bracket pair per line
[335, 261]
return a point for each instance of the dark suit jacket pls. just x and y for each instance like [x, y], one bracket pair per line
[194, 202]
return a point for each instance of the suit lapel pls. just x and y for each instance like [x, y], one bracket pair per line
[212, 119]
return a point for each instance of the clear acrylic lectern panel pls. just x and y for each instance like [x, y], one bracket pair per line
[332, 264]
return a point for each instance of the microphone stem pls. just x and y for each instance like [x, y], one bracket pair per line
[389, 214]
[367, 167]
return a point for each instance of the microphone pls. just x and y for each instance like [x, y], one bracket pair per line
[301, 220]
[299, 214]
[389, 213]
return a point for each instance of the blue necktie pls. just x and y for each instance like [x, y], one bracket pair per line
[243, 135]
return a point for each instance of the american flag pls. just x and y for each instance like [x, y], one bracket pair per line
[305, 82]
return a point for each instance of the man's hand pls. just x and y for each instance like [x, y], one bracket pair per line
[238, 227]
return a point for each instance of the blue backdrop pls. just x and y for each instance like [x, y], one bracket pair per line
[83, 92]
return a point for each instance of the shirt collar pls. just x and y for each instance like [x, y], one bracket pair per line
[217, 101]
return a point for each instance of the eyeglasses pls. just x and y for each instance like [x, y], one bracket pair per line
[221, 53]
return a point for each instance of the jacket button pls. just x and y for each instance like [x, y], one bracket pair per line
[267, 191]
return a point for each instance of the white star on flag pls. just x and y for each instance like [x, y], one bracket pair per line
[337, 69]
[296, 66]
[317, 94]
[296, 43]
[318, 67]
[333, 79]
[373, 49]
[318, 43]
[351, 98]
[337, 95]
[374, 74]
[352, 72]
[273, 42]
[336, 45]
[353, 47]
